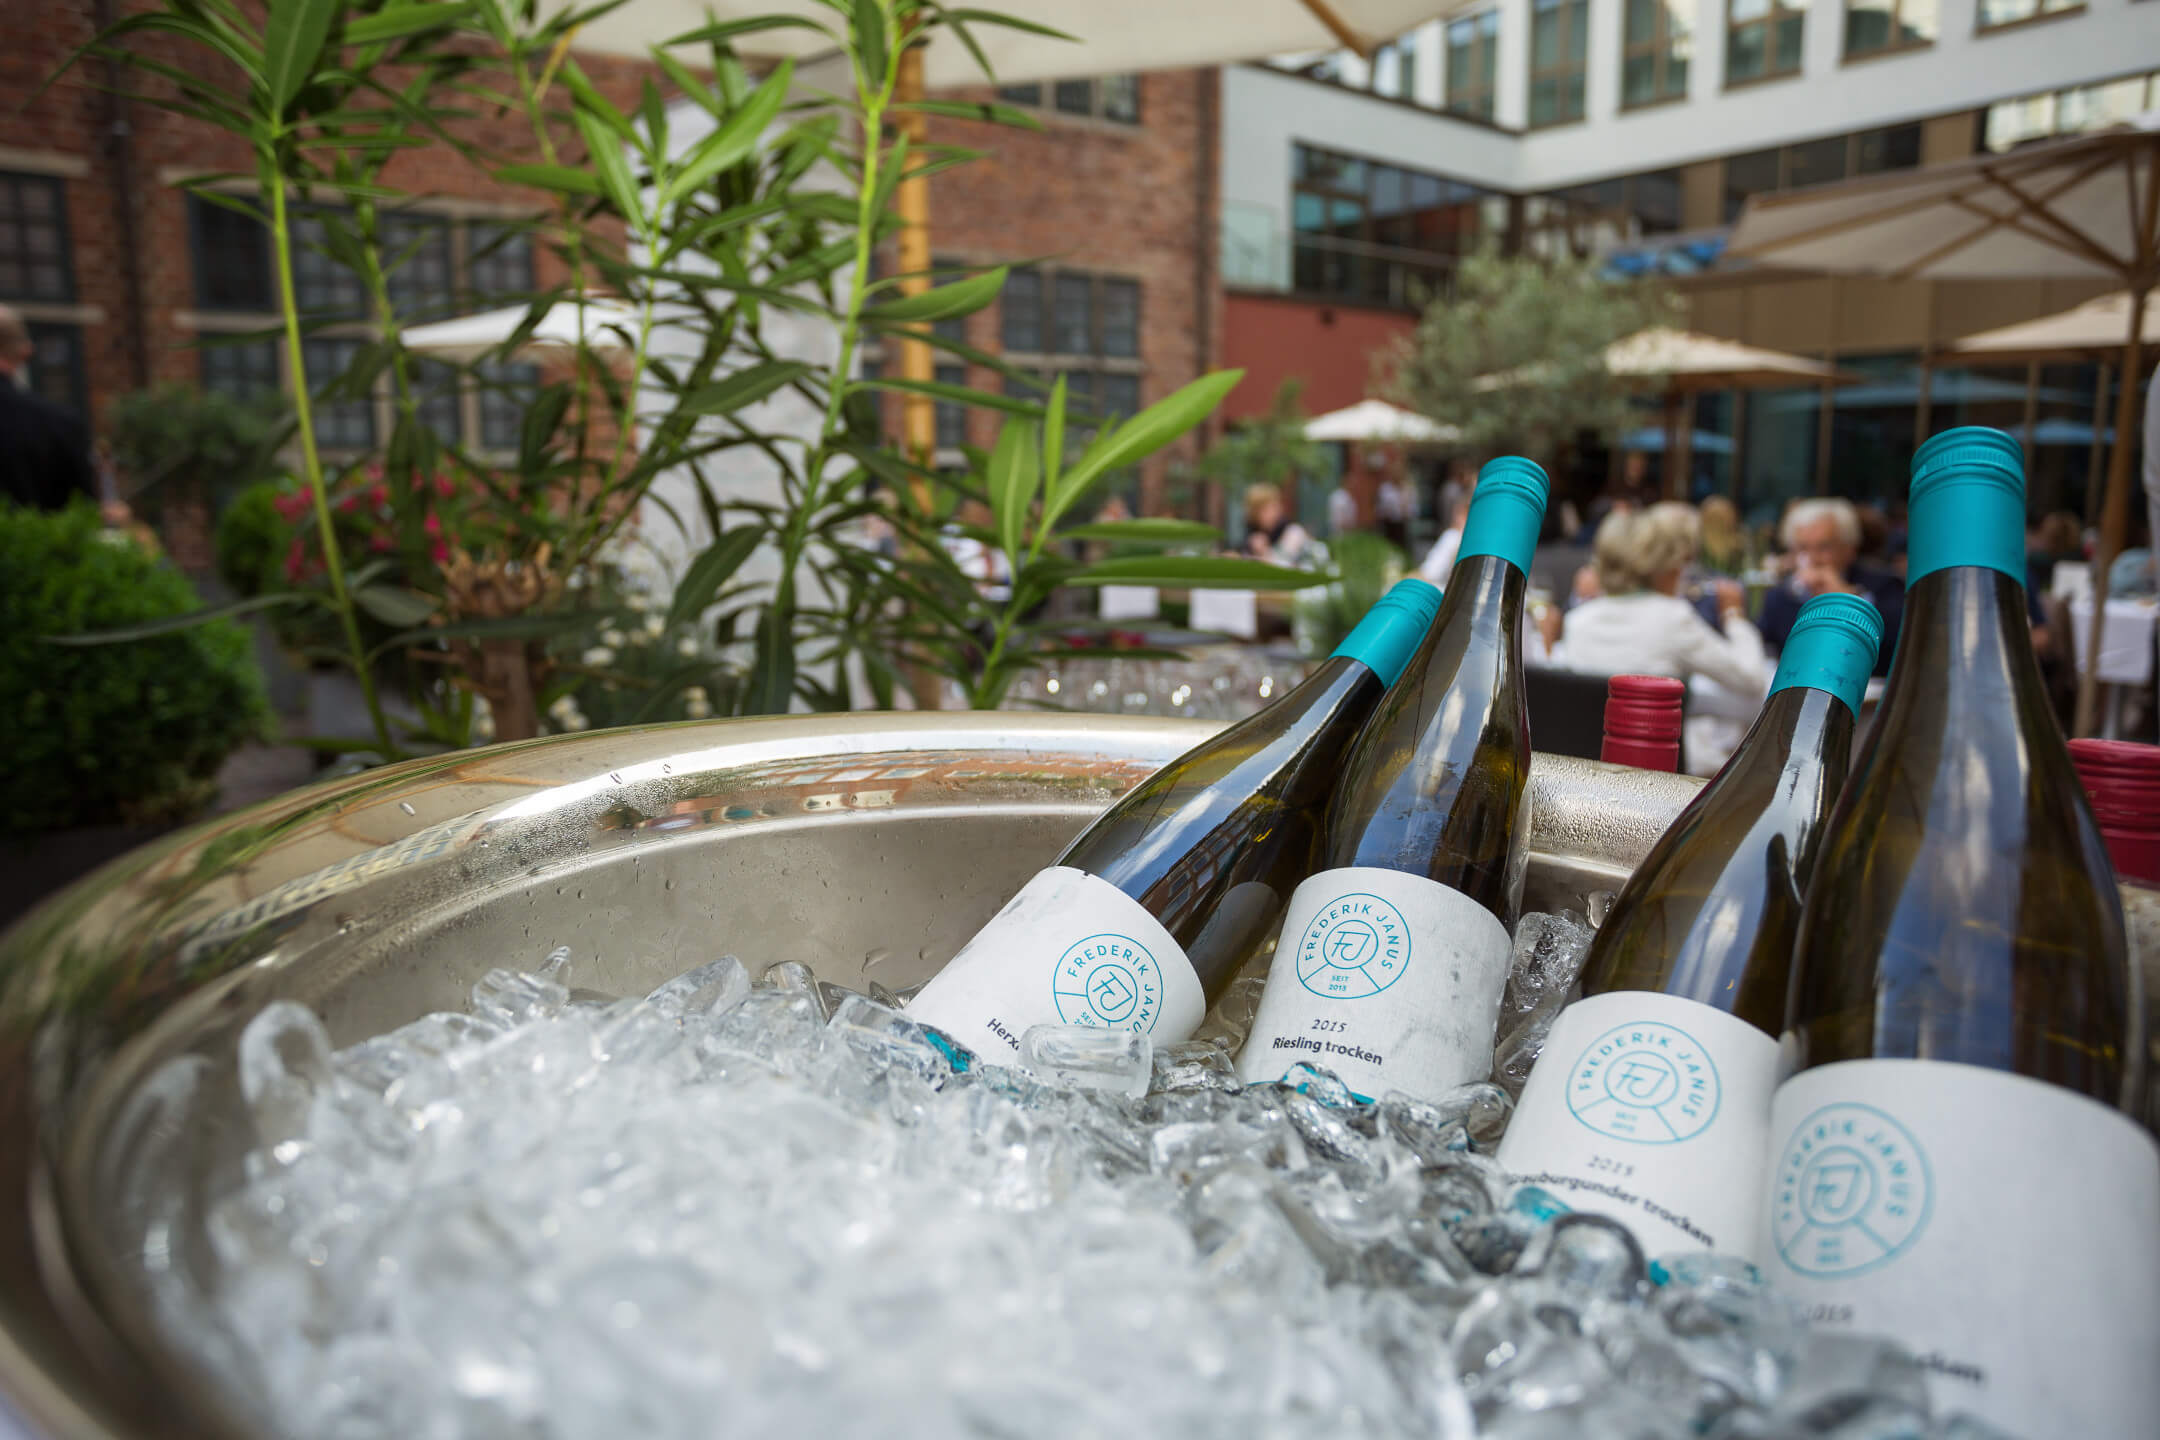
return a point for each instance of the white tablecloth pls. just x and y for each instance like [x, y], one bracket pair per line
[1226, 612]
[1128, 602]
[2126, 640]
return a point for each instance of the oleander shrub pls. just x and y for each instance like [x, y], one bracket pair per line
[132, 730]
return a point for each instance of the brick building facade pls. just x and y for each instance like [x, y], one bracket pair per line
[123, 277]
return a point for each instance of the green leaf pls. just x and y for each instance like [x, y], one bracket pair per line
[398, 21]
[603, 149]
[1010, 22]
[960, 394]
[989, 114]
[551, 177]
[711, 570]
[589, 99]
[962, 297]
[729, 29]
[394, 604]
[185, 622]
[870, 44]
[771, 683]
[1142, 436]
[734, 141]
[1146, 531]
[1014, 477]
[743, 388]
[1197, 572]
[1054, 440]
[292, 42]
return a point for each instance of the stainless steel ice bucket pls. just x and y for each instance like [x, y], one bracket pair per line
[861, 845]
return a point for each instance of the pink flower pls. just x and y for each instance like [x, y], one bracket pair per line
[445, 486]
[347, 504]
[375, 471]
[381, 543]
[441, 552]
[295, 558]
[291, 506]
[379, 496]
[434, 523]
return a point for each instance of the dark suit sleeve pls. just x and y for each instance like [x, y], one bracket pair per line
[76, 473]
[1779, 610]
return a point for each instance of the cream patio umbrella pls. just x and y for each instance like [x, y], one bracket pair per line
[1107, 37]
[607, 325]
[1377, 422]
[2087, 207]
[2093, 330]
[1685, 364]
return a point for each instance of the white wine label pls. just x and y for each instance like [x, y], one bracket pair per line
[2005, 1230]
[1069, 949]
[1653, 1110]
[1392, 981]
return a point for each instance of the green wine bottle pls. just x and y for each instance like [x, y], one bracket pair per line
[1151, 911]
[1950, 1162]
[1391, 960]
[1651, 1103]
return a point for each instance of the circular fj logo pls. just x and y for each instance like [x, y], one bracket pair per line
[1648, 1082]
[1109, 980]
[1852, 1192]
[1357, 945]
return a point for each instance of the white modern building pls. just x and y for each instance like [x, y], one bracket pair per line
[1637, 129]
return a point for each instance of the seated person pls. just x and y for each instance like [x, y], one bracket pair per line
[1822, 537]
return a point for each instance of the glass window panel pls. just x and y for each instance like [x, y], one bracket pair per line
[2061, 451]
[1571, 97]
[232, 259]
[1425, 191]
[1916, 22]
[1815, 162]
[1745, 10]
[1021, 312]
[1121, 98]
[240, 368]
[1642, 16]
[1308, 213]
[1869, 25]
[1871, 427]
[1746, 175]
[2094, 107]
[507, 391]
[499, 264]
[1462, 45]
[1578, 31]
[339, 424]
[422, 284]
[322, 286]
[951, 415]
[1020, 94]
[1782, 427]
[1075, 97]
[1391, 190]
[1072, 333]
[1545, 35]
[56, 366]
[1544, 100]
[435, 388]
[1638, 80]
[2003, 12]
[1895, 147]
[1785, 51]
[1655, 199]
[1118, 396]
[33, 240]
[1745, 53]
[1120, 317]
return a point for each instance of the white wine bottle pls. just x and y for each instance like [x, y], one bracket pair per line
[1950, 1162]
[1390, 963]
[1151, 911]
[1651, 1103]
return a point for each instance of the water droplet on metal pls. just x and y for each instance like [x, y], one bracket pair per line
[876, 958]
[407, 807]
[616, 776]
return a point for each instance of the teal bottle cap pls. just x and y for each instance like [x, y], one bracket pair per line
[1967, 505]
[1392, 630]
[1832, 647]
[1506, 512]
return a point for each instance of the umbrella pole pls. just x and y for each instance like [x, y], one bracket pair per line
[2115, 517]
[1675, 477]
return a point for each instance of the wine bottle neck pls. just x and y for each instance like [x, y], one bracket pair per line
[1966, 633]
[1485, 594]
[1799, 721]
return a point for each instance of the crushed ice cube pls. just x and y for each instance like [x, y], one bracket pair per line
[1549, 954]
[1094, 1056]
[748, 1209]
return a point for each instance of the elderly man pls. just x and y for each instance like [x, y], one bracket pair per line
[44, 451]
[1823, 538]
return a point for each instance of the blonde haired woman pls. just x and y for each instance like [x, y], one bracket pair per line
[1641, 625]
